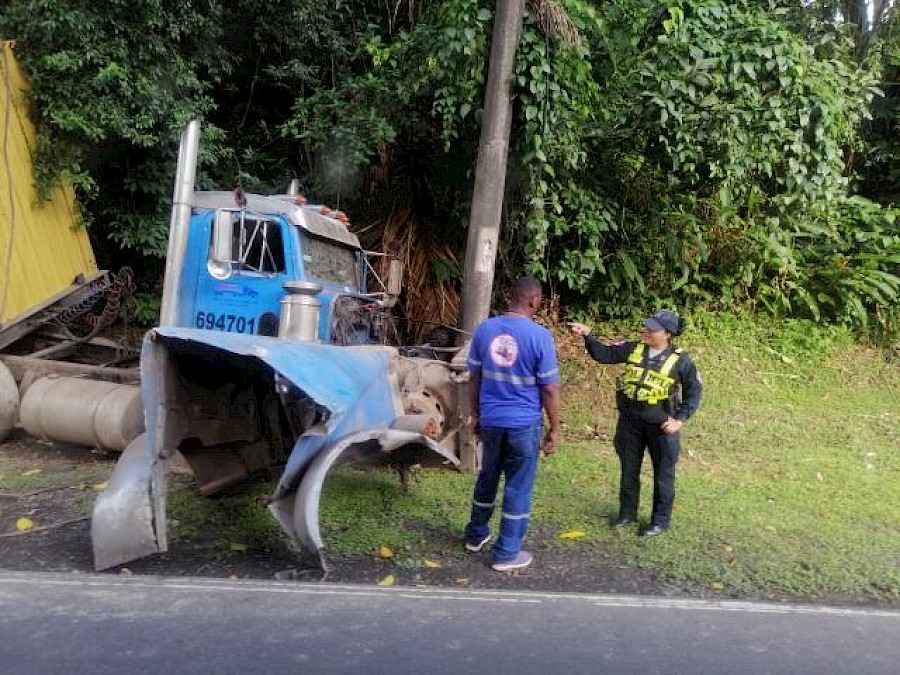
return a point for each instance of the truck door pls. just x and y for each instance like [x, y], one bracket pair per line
[240, 288]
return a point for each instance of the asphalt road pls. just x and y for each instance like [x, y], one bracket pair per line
[102, 624]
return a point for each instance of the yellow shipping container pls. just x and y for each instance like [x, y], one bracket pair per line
[42, 247]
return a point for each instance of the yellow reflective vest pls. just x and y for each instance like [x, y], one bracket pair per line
[646, 385]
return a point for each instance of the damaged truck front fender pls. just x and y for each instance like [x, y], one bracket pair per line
[126, 515]
[298, 513]
[235, 405]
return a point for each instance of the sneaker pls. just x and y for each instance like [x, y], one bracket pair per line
[522, 559]
[475, 546]
[653, 531]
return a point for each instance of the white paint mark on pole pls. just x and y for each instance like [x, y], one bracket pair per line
[485, 262]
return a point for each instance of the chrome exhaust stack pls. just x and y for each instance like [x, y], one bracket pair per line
[185, 174]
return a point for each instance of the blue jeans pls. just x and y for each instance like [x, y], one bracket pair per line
[513, 453]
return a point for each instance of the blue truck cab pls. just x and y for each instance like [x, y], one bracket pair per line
[270, 358]
[243, 249]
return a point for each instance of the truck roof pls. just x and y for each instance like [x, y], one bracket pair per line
[307, 216]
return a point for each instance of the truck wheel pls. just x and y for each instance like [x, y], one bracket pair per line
[9, 402]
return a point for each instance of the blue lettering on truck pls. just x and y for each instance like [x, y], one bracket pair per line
[234, 291]
[226, 322]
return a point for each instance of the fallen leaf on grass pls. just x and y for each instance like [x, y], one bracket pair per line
[32, 472]
[571, 534]
[387, 581]
[100, 486]
[431, 564]
[771, 528]
[385, 552]
[717, 586]
[24, 524]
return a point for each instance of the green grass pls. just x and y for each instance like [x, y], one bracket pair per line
[787, 484]
[46, 488]
[789, 473]
[362, 510]
[17, 477]
[238, 517]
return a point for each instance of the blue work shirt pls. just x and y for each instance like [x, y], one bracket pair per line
[515, 356]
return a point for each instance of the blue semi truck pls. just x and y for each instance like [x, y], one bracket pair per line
[272, 356]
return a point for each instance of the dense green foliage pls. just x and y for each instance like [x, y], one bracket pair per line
[881, 163]
[111, 87]
[694, 152]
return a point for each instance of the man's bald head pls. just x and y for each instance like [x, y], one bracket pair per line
[525, 295]
[523, 288]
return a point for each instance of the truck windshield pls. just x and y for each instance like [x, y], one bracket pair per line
[329, 261]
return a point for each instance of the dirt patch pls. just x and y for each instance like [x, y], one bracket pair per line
[62, 481]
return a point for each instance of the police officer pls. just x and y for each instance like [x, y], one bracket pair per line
[658, 392]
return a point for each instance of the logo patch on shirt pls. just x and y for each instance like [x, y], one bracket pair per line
[504, 350]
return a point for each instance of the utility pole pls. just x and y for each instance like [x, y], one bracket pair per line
[490, 170]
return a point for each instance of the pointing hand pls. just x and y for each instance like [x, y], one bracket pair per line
[579, 329]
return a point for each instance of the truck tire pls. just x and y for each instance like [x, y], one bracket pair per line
[9, 402]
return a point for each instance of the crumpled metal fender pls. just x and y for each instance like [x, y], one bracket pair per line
[129, 516]
[124, 524]
[298, 514]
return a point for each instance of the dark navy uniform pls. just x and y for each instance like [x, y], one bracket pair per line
[650, 390]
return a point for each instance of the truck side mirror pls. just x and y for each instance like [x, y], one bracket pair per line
[394, 282]
[221, 255]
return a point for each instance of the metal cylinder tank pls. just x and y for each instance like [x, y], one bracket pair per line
[300, 311]
[84, 412]
[9, 402]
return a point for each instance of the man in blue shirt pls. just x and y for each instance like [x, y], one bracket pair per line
[513, 375]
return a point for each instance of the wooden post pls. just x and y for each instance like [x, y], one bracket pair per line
[490, 170]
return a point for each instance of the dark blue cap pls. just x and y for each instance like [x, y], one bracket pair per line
[664, 320]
